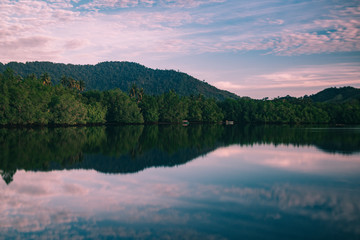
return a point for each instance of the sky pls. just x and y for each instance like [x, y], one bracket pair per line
[257, 48]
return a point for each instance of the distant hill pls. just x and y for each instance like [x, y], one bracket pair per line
[110, 75]
[337, 95]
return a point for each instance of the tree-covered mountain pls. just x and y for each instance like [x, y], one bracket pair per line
[336, 95]
[123, 75]
[36, 101]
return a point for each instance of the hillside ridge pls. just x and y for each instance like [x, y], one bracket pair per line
[122, 75]
[336, 95]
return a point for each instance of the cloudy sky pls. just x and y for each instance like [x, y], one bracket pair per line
[256, 48]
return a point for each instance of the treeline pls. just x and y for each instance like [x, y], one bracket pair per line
[34, 100]
[291, 110]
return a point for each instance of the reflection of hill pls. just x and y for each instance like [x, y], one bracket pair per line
[128, 164]
[128, 149]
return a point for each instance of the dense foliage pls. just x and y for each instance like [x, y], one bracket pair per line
[291, 110]
[33, 100]
[122, 75]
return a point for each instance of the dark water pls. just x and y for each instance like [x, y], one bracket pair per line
[174, 182]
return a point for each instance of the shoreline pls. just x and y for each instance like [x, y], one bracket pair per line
[35, 126]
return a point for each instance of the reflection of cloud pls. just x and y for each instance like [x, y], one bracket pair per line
[227, 151]
[305, 159]
[37, 200]
[74, 189]
[101, 205]
[316, 202]
[77, 197]
[36, 190]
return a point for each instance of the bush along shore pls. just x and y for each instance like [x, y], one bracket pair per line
[36, 101]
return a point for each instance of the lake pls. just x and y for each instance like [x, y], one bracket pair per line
[175, 182]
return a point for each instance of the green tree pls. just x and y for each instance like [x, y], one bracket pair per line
[66, 109]
[82, 85]
[150, 109]
[172, 108]
[121, 109]
[195, 108]
[211, 111]
[96, 113]
[45, 79]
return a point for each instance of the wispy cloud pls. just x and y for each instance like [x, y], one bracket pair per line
[75, 44]
[335, 30]
[106, 4]
[179, 27]
[323, 75]
[305, 79]
[24, 32]
[115, 4]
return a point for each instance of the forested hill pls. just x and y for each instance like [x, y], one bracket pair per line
[337, 95]
[110, 75]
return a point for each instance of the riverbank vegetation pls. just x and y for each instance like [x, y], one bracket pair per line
[35, 100]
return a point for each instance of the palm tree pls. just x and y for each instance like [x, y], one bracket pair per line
[65, 81]
[133, 90]
[72, 83]
[45, 79]
[140, 95]
[82, 85]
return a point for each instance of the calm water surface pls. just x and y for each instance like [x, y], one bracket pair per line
[174, 182]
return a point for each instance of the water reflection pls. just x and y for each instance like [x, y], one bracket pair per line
[129, 149]
[307, 159]
[230, 182]
[86, 204]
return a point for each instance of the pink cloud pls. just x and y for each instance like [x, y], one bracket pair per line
[75, 44]
[27, 42]
[188, 3]
[97, 4]
[110, 4]
[306, 79]
[319, 76]
[132, 34]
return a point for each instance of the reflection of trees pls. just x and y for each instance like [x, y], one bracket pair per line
[32, 148]
[120, 140]
[332, 140]
[122, 149]
[7, 175]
